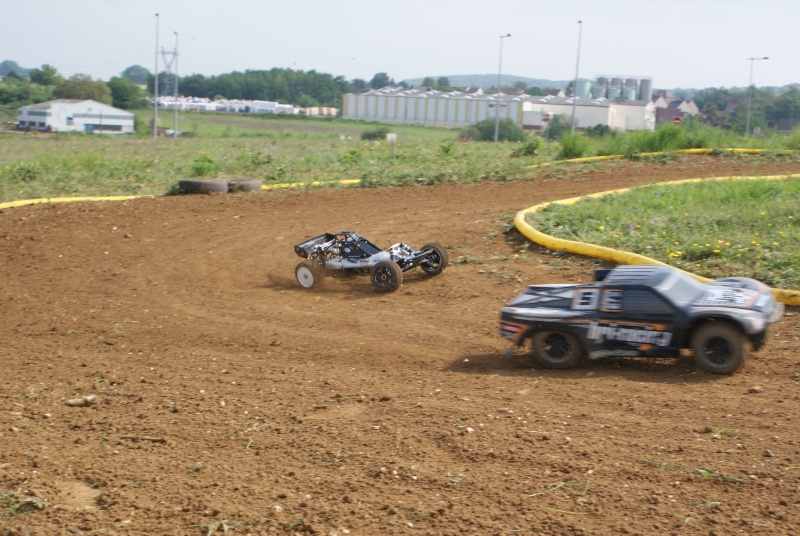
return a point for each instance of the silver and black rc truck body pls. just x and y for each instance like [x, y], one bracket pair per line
[347, 253]
[643, 311]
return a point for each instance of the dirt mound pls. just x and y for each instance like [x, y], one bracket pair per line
[226, 398]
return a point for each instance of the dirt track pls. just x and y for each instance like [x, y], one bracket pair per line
[227, 398]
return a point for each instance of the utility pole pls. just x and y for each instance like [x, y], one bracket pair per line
[750, 94]
[170, 59]
[575, 83]
[155, 89]
[499, 93]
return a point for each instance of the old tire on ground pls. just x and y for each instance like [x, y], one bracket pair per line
[556, 349]
[309, 275]
[436, 261]
[244, 185]
[720, 347]
[386, 276]
[202, 187]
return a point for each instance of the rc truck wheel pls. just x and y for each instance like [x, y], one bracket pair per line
[436, 261]
[308, 275]
[720, 348]
[556, 349]
[386, 276]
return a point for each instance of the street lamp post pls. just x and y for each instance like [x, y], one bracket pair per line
[155, 89]
[750, 94]
[575, 83]
[497, 100]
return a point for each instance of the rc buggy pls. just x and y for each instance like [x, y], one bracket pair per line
[347, 253]
[643, 310]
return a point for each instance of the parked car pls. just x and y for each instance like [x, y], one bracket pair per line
[643, 311]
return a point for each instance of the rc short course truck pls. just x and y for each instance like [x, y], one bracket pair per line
[347, 253]
[643, 310]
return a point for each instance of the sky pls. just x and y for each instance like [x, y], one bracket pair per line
[678, 43]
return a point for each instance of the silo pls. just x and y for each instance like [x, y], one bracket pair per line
[616, 83]
[614, 91]
[582, 90]
[646, 89]
[601, 88]
[631, 83]
[629, 93]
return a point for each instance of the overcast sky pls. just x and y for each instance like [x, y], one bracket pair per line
[678, 43]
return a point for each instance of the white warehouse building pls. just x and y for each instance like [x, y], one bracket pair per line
[457, 109]
[73, 115]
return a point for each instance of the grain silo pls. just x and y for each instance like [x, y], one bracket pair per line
[646, 89]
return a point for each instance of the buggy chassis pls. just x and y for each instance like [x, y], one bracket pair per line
[346, 253]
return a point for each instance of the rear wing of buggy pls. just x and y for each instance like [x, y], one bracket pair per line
[304, 249]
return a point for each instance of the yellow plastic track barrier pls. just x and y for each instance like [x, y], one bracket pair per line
[789, 297]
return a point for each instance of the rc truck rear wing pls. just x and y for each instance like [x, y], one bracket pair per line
[304, 249]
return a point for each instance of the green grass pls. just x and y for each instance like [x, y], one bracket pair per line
[275, 150]
[737, 228]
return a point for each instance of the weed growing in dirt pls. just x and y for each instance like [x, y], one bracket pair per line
[702, 471]
[737, 228]
[13, 503]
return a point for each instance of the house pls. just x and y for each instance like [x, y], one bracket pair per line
[673, 111]
[74, 115]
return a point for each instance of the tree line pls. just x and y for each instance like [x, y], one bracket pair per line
[133, 88]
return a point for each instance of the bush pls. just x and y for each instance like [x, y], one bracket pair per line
[573, 146]
[507, 130]
[377, 133]
[203, 166]
[530, 147]
[469, 134]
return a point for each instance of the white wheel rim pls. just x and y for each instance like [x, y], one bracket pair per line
[305, 277]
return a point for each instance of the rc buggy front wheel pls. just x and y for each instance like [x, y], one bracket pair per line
[720, 348]
[556, 349]
[386, 276]
[308, 275]
[436, 260]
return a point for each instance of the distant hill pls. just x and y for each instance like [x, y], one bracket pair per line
[490, 80]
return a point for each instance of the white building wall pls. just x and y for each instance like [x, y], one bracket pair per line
[76, 116]
[453, 110]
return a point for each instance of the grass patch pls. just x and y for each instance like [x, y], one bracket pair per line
[13, 504]
[742, 228]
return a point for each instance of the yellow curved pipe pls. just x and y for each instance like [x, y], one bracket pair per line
[789, 297]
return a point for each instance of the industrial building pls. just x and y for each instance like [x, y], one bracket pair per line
[73, 115]
[459, 109]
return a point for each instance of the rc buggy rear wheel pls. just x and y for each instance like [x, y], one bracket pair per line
[386, 276]
[720, 348]
[436, 261]
[556, 349]
[308, 275]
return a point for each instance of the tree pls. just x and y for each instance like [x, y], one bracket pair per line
[7, 67]
[82, 87]
[136, 74]
[381, 80]
[443, 83]
[559, 125]
[125, 94]
[47, 75]
[430, 82]
[358, 85]
[787, 106]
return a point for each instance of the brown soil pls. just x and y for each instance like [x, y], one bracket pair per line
[227, 398]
